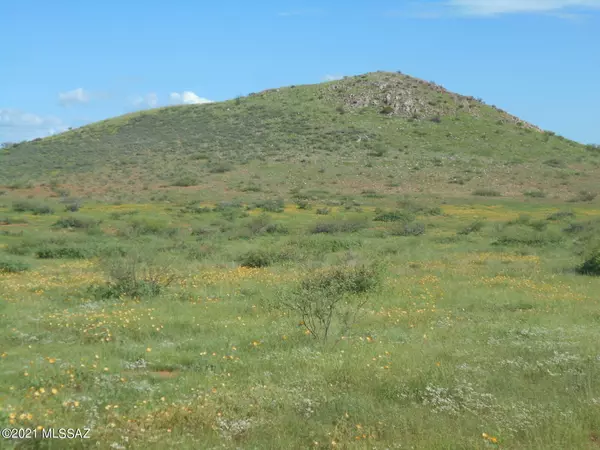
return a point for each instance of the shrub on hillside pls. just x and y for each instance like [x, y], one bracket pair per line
[32, 207]
[486, 193]
[534, 194]
[584, 196]
[220, 167]
[185, 181]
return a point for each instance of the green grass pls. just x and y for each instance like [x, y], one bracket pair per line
[471, 329]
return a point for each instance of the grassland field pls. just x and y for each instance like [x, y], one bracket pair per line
[178, 325]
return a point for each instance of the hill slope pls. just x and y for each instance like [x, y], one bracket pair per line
[381, 131]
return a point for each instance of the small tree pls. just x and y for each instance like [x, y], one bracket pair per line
[331, 296]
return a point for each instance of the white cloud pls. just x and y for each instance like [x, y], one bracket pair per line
[332, 77]
[74, 97]
[187, 98]
[17, 125]
[437, 9]
[494, 7]
[147, 101]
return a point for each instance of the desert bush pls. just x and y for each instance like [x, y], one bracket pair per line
[339, 226]
[554, 162]
[194, 209]
[185, 181]
[534, 194]
[590, 266]
[522, 235]
[143, 226]
[256, 259]
[332, 296]
[394, 216]
[584, 196]
[220, 167]
[560, 215]
[408, 229]
[11, 220]
[134, 275]
[303, 204]
[75, 222]
[32, 207]
[486, 193]
[72, 205]
[12, 266]
[276, 205]
[418, 208]
[473, 227]
[63, 252]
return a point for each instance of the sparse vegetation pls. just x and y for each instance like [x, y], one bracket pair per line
[247, 314]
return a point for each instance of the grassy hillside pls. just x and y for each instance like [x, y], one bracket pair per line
[385, 132]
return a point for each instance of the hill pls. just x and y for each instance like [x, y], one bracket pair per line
[383, 132]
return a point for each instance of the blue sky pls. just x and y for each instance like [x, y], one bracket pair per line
[65, 63]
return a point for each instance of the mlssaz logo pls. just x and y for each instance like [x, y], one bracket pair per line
[66, 433]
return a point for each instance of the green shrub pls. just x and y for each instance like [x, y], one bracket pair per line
[332, 296]
[10, 266]
[134, 276]
[33, 207]
[303, 204]
[143, 226]
[276, 206]
[66, 252]
[75, 222]
[486, 193]
[323, 211]
[534, 194]
[560, 215]
[554, 162]
[473, 227]
[408, 229]
[521, 235]
[185, 181]
[339, 226]
[11, 220]
[584, 196]
[220, 167]
[417, 208]
[591, 266]
[256, 259]
[394, 216]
